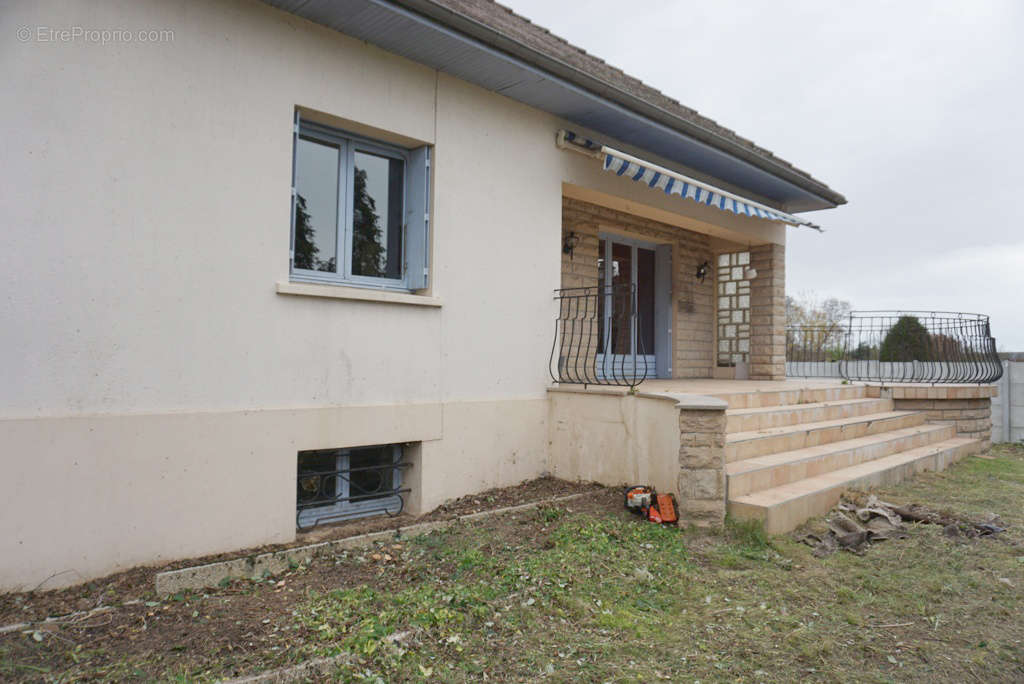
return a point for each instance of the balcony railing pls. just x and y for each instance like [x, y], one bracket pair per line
[930, 347]
[597, 338]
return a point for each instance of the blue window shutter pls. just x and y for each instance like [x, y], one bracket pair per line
[417, 220]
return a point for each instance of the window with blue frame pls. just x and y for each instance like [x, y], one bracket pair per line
[359, 210]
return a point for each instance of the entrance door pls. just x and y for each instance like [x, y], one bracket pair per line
[632, 278]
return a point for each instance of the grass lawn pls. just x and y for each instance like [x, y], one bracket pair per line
[592, 594]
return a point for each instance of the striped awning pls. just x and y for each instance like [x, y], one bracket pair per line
[673, 183]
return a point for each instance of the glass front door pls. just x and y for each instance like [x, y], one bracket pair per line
[626, 279]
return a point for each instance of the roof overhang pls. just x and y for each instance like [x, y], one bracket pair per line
[449, 42]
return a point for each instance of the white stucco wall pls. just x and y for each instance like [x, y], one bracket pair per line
[155, 385]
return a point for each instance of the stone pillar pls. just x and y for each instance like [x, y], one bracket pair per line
[768, 313]
[702, 467]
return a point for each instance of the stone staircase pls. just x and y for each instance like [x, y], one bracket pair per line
[791, 453]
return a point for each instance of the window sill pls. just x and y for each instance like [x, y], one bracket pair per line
[356, 293]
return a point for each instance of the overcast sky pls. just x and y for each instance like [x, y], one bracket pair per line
[912, 109]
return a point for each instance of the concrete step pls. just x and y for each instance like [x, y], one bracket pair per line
[753, 419]
[790, 397]
[741, 445]
[764, 472]
[783, 508]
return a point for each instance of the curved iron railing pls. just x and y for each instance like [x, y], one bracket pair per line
[597, 338]
[929, 347]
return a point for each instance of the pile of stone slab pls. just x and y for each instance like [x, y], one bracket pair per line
[859, 521]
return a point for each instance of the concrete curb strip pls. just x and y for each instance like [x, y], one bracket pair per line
[317, 669]
[212, 574]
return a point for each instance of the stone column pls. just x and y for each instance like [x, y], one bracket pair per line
[702, 467]
[768, 313]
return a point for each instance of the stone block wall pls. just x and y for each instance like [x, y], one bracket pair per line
[702, 467]
[694, 311]
[966, 407]
[768, 313]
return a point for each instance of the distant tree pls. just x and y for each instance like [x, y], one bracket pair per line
[946, 348]
[907, 340]
[368, 253]
[863, 352]
[819, 326]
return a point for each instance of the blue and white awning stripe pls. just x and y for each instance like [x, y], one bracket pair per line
[674, 184]
[585, 143]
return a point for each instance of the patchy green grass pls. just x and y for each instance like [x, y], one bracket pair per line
[597, 595]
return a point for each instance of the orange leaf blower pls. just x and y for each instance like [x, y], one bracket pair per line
[648, 504]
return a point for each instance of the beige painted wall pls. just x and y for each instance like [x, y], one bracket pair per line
[156, 385]
[615, 438]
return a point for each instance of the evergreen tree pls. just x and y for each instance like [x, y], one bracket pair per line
[907, 340]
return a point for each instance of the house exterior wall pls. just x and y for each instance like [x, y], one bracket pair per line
[158, 386]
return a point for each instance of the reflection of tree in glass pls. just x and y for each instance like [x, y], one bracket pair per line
[305, 246]
[306, 250]
[367, 250]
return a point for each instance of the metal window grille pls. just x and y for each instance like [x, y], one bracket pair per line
[340, 484]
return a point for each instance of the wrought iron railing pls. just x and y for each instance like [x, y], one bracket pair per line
[598, 338]
[814, 351]
[897, 347]
[333, 495]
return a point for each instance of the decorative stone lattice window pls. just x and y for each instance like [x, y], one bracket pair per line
[733, 309]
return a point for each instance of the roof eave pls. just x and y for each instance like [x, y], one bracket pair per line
[496, 40]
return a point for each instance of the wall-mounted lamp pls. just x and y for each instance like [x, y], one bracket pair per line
[702, 271]
[750, 273]
[569, 243]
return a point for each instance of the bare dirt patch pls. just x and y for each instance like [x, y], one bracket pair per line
[137, 584]
[587, 592]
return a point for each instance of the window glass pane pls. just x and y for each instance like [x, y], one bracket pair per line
[377, 215]
[316, 206]
[317, 478]
[622, 299]
[370, 476]
[645, 300]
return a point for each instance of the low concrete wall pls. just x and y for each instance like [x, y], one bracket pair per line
[1008, 406]
[674, 443]
[614, 438]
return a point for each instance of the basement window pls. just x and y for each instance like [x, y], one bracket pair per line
[340, 484]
